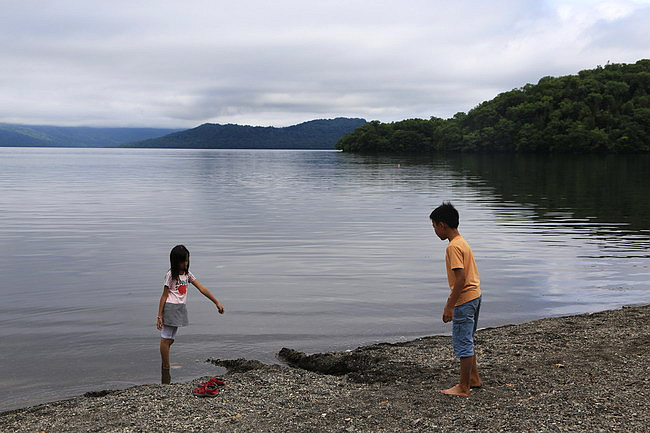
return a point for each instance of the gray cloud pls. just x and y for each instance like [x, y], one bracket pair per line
[179, 64]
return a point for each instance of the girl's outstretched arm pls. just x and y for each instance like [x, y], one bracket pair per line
[208, 295]
[161, 307]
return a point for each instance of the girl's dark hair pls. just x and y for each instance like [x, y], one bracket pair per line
[445, 213]
[178, 255]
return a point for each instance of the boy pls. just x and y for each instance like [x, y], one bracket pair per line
[464, 302]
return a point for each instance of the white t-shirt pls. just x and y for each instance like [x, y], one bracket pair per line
[178, 288]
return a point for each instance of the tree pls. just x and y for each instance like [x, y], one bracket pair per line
[606, 109]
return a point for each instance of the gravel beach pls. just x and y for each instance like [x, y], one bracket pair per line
[585, 373]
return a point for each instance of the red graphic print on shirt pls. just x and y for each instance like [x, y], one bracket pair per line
[182, 288]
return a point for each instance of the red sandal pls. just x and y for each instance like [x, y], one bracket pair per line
[214, 381]
[206, 391]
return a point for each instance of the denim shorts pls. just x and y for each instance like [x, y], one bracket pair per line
[464, 327]
[168, 332]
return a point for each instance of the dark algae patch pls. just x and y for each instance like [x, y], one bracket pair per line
[240, 365]
[98, 394]
[368, 364]
[585, 373]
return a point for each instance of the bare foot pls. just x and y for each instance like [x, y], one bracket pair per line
[476, 384]
[456, 390]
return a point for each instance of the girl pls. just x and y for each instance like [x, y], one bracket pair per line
[172, 311]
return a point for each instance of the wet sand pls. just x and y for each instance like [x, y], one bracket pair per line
[585, 373]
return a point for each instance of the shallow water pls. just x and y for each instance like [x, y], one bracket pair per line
[310, 250]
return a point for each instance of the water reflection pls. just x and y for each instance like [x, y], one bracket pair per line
[555, 235]
[607, 193]
[598, 198]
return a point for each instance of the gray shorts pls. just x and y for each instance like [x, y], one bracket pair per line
[464, 327]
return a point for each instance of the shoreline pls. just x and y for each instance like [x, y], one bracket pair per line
[587, 372]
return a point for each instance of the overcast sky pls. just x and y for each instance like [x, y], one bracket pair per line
[183, 63]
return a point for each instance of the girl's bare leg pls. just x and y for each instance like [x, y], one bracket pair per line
[165, 344]
[165, 376]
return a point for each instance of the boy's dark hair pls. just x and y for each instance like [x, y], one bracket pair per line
[177, 256]
[445, 213]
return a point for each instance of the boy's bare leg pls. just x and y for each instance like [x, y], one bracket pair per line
[474, 378]
[463, 388]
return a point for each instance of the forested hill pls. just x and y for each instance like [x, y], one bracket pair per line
[315, 134]
[14, 135]
[606, 109]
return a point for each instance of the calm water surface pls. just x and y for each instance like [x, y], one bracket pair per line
[310, 250]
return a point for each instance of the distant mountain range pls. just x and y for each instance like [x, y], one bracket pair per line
[73, 136]
[315, 134]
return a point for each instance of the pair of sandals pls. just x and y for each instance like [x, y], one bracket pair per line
[209, 388]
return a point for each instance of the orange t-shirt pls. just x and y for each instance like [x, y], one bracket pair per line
[459, 255]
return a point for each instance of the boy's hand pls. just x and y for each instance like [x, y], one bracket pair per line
[448, 314]
[220, 307]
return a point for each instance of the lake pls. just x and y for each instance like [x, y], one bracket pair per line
[313, 250]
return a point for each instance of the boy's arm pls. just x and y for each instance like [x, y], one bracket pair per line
[459, 284]
[208, 295]
[161, 307]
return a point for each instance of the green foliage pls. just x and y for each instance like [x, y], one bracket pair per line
[602, 110]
